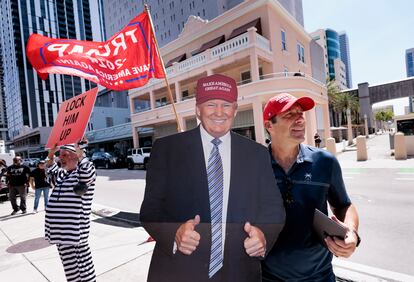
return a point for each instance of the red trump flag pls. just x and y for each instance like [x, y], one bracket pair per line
[127, 60]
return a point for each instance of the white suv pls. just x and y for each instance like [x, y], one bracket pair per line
[138, 156]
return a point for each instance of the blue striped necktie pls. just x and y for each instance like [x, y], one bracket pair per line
[215, 188]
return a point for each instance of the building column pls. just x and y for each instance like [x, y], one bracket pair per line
[259, 129]
[254, 61]
[182, 123]
[311, 126]
[135, 137]
[326, 124]
[178, 95]
[152, 99]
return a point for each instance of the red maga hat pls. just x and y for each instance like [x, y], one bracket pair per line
[283, 102]
[216, 86]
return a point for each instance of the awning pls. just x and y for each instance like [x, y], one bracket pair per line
[242, 29]
[209, 45]
[176, 59]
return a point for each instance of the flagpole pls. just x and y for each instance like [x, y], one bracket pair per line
[179, 128]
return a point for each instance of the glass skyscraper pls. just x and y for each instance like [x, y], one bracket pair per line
[29, 100]
[333, 49]
[409, 62]
[345, 56]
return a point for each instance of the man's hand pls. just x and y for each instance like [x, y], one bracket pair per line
[255, 243]
[342, 248]
[186, 238]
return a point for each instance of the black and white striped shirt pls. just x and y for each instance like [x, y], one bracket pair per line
[67, 214]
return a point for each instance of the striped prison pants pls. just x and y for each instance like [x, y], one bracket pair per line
[77, 262]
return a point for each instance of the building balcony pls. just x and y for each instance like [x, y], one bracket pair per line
[198, 63]
[269, 85]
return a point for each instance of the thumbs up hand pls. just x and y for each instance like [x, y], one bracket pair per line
[255, 243]
[186, 238]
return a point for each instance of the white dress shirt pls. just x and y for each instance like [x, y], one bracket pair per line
[225, 153]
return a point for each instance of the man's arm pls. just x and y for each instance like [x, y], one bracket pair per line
[348, 217]
[345, 214]
[31, 181]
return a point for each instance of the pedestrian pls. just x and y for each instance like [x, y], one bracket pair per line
[18, 181]
[68, 210]
[318, 140]
[308, 179]
[211, 202]
[40, 183]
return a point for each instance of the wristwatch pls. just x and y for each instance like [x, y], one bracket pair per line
[358, 238]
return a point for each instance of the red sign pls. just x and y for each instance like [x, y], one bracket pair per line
[127, 60]
[72, 119]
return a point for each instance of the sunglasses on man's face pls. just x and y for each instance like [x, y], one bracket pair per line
[289, 194]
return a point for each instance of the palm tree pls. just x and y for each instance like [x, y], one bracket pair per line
[383, 116]
[341, 101]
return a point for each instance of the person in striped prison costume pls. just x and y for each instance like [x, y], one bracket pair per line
[67, 213]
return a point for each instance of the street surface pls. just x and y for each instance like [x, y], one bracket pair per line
[384, 197]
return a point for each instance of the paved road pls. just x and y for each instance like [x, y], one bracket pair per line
[382, 189]
[120, 188]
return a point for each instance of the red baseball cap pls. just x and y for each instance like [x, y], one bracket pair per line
[283, 102]
[216, 86]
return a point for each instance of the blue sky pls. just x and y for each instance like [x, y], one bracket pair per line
[379, 32]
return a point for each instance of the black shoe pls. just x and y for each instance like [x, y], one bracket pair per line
[13, 212]
[23, 212]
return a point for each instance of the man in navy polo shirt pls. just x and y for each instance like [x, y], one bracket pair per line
[308, 179]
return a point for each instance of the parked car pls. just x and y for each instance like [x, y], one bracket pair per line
[138, 156]
[105, 159]
[4, 188]
[31, 162]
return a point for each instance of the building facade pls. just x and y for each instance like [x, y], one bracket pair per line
[335, 68]
[3, 117]
[170, 16]
[346, 57]
[31, 102]
[259, 44]
[409, 64]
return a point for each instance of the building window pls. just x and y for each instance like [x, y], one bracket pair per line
[109, 121]
[301, 53]
[283, 34]
[245, 77]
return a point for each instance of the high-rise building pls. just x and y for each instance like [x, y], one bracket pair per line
[170, 16]
[409, 64]
[345, 56]
[335, 68]
[3, 117]
[31, 102]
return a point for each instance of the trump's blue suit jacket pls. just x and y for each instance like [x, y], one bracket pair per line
[177, 190]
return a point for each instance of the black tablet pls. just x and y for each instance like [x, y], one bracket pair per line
[324, 226]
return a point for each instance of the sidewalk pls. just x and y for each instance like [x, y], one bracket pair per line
[120, 251]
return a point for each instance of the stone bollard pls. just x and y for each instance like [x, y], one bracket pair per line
[361, 144]
[400, 150]
[330, 145]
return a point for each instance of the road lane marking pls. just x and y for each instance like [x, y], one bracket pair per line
[404, 179]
